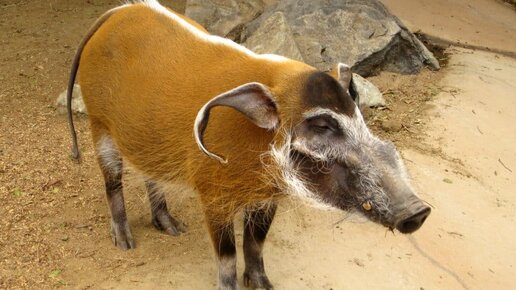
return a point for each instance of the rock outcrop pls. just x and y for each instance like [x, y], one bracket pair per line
[360, 33]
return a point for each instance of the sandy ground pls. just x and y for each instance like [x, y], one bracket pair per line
[472, 187]
[54, 227]
[483, 23]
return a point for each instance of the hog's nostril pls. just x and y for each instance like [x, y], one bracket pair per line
[409, 226]
[414, 222]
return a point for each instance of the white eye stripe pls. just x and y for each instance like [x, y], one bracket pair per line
[354, 126]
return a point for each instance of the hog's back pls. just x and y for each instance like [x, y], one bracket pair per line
[144, 77]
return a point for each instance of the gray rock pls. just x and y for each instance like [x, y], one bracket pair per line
[361, 33]
[368, 94]
[224, 17]
[77, 102]
[274, 36]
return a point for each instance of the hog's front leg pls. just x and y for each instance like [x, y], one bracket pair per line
[256, 225]
[223, 238]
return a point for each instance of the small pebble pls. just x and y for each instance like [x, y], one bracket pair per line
[391, 125]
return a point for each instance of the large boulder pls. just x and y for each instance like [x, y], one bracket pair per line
[278, 35]
[224, 17]
[360, 33]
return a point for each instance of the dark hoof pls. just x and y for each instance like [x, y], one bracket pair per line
[163, 221]
[121, 236]
[257, 281]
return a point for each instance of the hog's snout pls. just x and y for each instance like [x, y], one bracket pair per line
[413, 222]
[410, 213]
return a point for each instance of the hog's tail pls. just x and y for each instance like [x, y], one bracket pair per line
[73, 75]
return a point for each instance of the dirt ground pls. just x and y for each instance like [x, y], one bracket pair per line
[482, 23]
[456, 129]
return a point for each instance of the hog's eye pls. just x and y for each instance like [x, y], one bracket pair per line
[321, 129]
[323, 124]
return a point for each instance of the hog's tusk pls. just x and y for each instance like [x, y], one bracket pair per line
[367, 205]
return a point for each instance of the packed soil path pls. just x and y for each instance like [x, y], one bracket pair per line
[54, 230]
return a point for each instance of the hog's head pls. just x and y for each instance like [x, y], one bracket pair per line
[323, 151]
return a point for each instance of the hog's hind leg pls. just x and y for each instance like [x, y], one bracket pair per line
[256, 226]
[161, 218]
[111, 165]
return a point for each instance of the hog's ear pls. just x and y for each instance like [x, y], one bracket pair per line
[254, 100]
[344, 75]
[345, 78]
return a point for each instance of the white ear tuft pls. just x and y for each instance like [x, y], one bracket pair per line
[344, 75]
